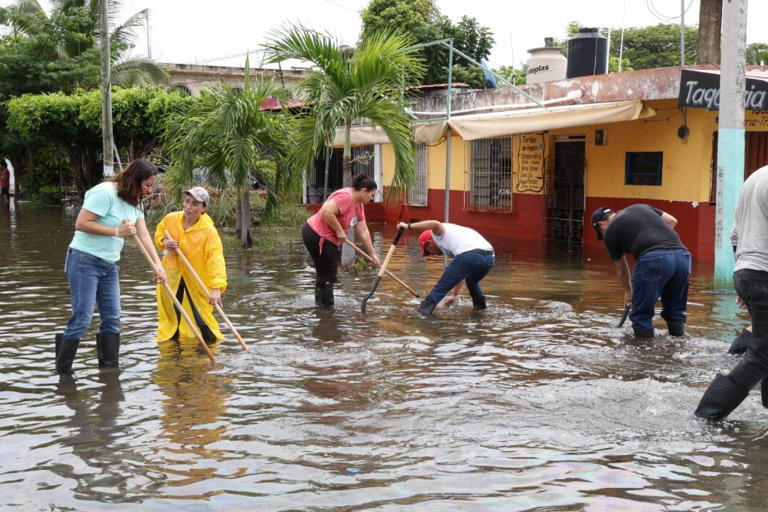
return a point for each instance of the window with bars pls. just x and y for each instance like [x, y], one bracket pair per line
[362, 162]
[418, 193]
[490, 173]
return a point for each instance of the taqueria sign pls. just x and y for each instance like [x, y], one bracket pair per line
[702, 90]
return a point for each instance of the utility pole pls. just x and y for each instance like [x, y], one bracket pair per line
[682, 33]
[106, 90]
[730, 136]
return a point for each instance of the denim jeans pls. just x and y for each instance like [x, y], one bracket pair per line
[470, 266]
[92, 281]
[661, 273]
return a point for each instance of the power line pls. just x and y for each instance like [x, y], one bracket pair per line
[658, 15]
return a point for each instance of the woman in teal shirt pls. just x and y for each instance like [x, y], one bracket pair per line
[111, 211]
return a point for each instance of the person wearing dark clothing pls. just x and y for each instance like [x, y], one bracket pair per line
[662, 264]
[750, 279]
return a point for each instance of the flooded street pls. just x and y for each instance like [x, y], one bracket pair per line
[538, 403]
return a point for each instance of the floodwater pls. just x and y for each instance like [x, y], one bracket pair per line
[539, 403]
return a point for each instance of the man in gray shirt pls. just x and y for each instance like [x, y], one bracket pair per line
[750, 278]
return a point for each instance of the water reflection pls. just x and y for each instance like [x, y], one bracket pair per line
[539, 402]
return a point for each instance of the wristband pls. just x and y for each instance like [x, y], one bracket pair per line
[409, 226]
[117, 231]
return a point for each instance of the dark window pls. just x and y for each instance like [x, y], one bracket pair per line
[643, 168]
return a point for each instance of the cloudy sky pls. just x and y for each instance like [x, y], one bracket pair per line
[221, 32]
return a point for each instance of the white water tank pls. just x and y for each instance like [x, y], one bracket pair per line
[546, 63]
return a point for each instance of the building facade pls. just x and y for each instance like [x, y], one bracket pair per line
[608, 140]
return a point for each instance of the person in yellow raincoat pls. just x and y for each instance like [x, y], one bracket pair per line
[193, 232]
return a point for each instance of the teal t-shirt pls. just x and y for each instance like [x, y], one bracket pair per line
[111, 210]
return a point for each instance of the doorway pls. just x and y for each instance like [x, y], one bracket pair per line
[565, 200]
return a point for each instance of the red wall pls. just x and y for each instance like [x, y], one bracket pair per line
[695, 225]
[526, 220]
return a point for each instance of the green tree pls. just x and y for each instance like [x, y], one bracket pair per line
[422, 20]
[515, 76]
[757, 54]
[644, 47]
[73, 122]
[343, 88]
[41, 53]
[226, 133]
[71, 32]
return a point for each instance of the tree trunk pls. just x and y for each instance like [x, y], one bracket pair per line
[710, 22]
[346, 173]
[244, 233]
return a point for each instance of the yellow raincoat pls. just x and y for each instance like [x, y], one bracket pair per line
[202, 247]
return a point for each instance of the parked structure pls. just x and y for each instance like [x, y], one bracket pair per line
[191, 78]
[612, 140]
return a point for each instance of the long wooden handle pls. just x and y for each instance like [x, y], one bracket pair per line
[207, 293]
[386, 271]
[175, 300]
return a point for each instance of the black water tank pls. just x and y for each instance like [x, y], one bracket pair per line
[587, 54]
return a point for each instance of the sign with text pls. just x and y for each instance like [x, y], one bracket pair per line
[702, 90]
[530, 163]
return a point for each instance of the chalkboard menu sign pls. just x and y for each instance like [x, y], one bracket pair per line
[530, 163]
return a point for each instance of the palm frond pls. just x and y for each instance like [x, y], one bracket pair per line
[139, 72]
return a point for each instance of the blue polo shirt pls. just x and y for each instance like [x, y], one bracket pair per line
[103, 201]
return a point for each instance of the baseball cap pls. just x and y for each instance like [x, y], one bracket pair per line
[600, 214]
[200, 194]
[424, 237]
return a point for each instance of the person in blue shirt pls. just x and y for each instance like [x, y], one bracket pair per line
[111, 212]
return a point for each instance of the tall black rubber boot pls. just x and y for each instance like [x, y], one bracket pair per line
[644, 333]
[720, 399]
[324, 295]
[66, 348]
[108, 349]
[676, 327]
[741, 342]
[479, 303]
[426, 307]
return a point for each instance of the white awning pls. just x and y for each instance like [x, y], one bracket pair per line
[499, 124]
[510, 122]
[431, 131]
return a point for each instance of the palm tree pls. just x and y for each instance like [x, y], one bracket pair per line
[227, 133]
[342, 88]
[72, 31]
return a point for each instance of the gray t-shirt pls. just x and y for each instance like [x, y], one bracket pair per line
[750, 226]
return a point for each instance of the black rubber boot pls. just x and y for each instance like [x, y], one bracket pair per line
[66, 348]
[108, 349]
[720, 399]
[479, 303]
[676, 327]
[741, 342]
[426, 307]
[324, 295]
[644, 333]
[764, 392]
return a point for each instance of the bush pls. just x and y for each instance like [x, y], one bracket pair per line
[48, 195]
